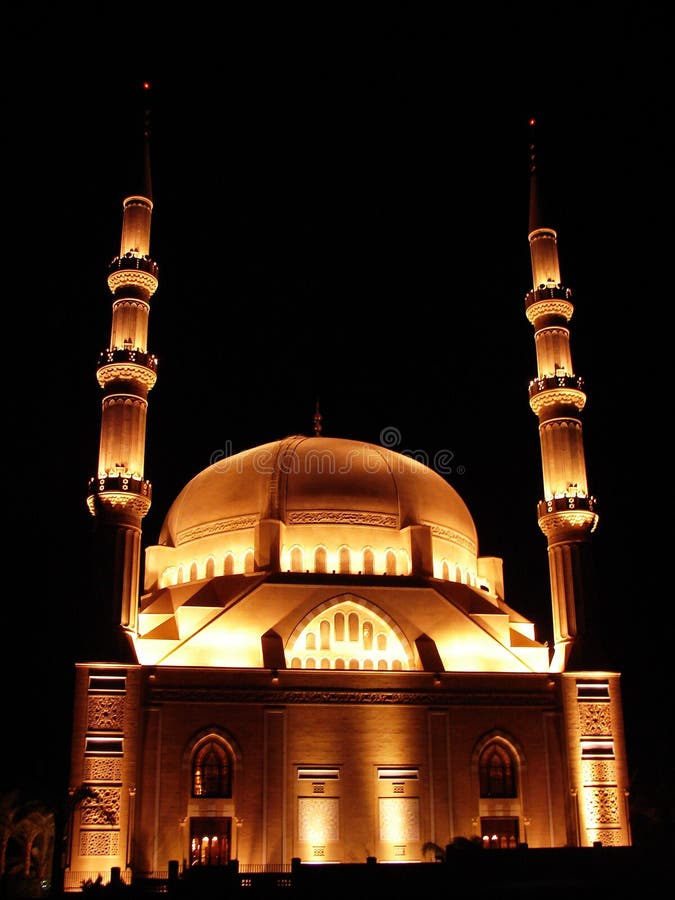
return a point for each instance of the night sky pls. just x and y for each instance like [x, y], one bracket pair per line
[341, 213]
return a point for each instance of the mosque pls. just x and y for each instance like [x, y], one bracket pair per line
[319, 666]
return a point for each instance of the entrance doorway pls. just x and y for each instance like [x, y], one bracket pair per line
[210, 841]
[499, 832]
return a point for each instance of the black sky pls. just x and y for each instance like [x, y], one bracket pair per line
[341, 212]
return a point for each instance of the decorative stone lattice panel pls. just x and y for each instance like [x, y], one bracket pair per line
[595, 719]
[609, 837]
[602, 806]
[598, 771]
[399, 819]
[318, 819]
[104, 810]
[102, 769]
[99, 843]
[105, 713]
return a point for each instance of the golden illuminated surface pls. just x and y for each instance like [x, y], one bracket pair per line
[272, 540]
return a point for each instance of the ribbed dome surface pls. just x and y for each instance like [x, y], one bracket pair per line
[292, 478]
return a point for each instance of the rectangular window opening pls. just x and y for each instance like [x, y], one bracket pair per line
[397, 774]
[593, 690]
[597, 749]
[311, 774]
[108, 684]
[95, 746]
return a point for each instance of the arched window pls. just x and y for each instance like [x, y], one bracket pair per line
[445, 572]
[324, 634]
[320, 560]
[193, 572]
[403, 563]
[210, 567]
[497, 772]
[390, 562]
[180, 576]
[368, 561]
[228, 565]
[248, 562]
[211, 770]
[345, 561]
[296, 559]
[353, 625]
[367, 631]
[339, 626]
[310, 641]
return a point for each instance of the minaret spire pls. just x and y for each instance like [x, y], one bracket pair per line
[119, 495]
[146, 143]
[567, 514]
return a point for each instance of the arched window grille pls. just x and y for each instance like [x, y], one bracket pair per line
[211, 771]
[497, 772]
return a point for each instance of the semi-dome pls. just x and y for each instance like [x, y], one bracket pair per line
[312, 481]
[315, 504]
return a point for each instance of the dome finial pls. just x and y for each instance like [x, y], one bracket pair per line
[317, 419]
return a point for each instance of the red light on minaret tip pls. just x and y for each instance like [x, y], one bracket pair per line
[146, 85]
[533, 121]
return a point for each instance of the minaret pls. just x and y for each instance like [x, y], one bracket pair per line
[119, 495]
[567, 514]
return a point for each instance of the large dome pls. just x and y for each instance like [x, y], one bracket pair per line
[317, 480]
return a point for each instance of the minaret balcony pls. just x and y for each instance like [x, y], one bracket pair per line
[549, 301]
[556, 390]
[567, 516]
[131, 271]
[120, 491]
[568, 501]
[126, 365]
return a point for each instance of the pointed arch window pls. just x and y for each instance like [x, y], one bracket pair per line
[228, 565]
[390, 562]
[345, 561]
[248, 562]
[194, 575]
[210, 567]
[211, 770]
[296, 559]
[320, 560]
[368, 561]
[497, 772]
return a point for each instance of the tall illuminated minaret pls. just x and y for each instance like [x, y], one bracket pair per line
[567, 514]
[119, 495]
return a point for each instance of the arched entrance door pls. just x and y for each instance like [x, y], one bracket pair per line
[210, 841]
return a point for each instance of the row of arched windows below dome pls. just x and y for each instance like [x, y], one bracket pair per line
[346, 561]
[367, 664]
[212, 770]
